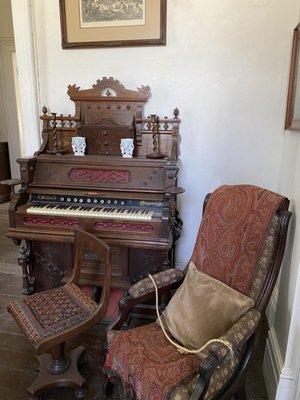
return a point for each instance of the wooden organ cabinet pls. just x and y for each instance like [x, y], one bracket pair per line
[131, 203]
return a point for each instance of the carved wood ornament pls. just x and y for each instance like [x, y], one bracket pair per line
[107, 113]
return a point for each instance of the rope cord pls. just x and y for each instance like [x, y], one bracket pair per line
[181, 349]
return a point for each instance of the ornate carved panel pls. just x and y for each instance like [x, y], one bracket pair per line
[99, 175]
[48, 221]
[124, 226]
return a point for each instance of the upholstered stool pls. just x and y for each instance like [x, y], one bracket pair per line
[50, 318]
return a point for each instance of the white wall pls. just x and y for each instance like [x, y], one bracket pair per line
[6, 32]
[281, 362]
[9, 118]
[289, 184]
[225, 67]
[287, 326]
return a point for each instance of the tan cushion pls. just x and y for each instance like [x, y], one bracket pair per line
[202, 309]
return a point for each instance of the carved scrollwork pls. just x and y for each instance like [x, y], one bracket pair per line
[99, 175]
[73, 90]
[109, 87]
[54, 222]
[124, 226]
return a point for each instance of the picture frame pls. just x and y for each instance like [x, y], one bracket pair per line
[292, 120]
[111, 23]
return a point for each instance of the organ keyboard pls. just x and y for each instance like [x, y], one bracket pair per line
[133, 214]
[97, 208]
[129, 203]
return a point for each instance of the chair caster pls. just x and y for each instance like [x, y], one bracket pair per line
[80, 393]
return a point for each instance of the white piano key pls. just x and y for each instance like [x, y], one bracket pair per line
[93, 212]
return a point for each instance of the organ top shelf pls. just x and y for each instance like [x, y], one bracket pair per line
[104, 115]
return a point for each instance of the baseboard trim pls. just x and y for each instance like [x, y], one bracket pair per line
[280, 381]
[273, 364]
[286, 385]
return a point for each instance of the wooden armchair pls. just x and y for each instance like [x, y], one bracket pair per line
[240, 242]
[50, 318]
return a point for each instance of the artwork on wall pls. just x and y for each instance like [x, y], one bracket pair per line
[107, 23]
[292, 120]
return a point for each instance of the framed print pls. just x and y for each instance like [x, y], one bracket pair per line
[292, 120]
[107, 23]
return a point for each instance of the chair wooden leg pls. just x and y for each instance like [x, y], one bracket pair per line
[241, 394]
[57, 370]
[107, 387]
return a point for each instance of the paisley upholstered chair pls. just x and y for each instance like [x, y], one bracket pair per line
[240, 242]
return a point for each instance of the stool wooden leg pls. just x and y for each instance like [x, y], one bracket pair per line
[69, 377]
[59, 362]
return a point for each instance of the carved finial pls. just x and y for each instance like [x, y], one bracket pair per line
[176, 112]
[73, 90]
[44, 110]
[145, 90]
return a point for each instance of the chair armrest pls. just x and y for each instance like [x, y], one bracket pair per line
[162, 279]
[238, 336]
[143, 290]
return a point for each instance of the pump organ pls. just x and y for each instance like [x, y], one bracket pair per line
[129, 203]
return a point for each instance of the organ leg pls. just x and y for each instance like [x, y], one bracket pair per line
[166, 260]
[24, 261]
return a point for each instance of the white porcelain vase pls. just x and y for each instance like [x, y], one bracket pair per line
[127, 147]
[78, 145]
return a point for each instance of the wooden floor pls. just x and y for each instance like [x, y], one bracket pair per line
[16, 359]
